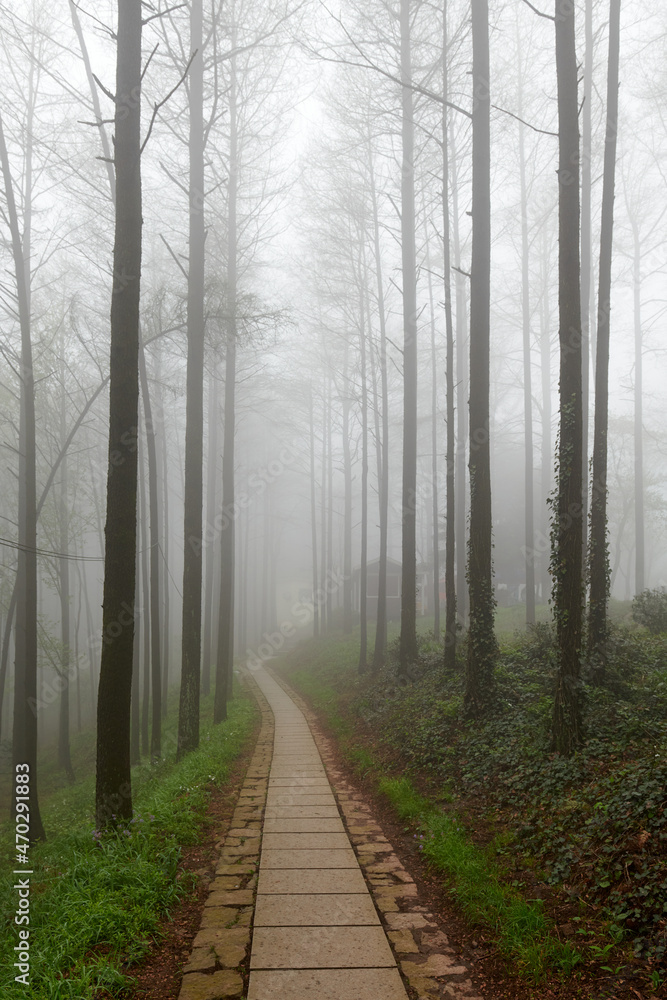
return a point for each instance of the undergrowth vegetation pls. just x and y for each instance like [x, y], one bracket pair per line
[96, 900]
[591, 830]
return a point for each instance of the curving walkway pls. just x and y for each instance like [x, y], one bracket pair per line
[316, 933]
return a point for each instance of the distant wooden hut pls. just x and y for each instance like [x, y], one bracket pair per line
[372, 584]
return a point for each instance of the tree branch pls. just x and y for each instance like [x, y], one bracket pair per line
[112, 97]
[163, 13]
[547, 17]
[161, 104]
[541, 131]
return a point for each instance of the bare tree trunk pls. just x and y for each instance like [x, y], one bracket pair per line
[347, 513]
[547, 454]
[640, 541]
[244, 530]
[135, 708]
[462, 385]
[225, 658]
[450, 516]
[408, 639]
[225, 655]
[482, 648]
[313, 517]
[211, 552]
[435, 515]
[64, 755]
[188, 716]
[567, 531]
[529, 494]
[113, 791]
[599, 541]
[24, 737]
[363, 575]
[77, 631]
[153, 559]
[6, 642]
[330, 562]
[324, 623]
[380, 648]
[91, 655]
[163, 477]
[145, 608]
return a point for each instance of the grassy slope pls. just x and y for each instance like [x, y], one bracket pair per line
[593, 828]
[95, 903]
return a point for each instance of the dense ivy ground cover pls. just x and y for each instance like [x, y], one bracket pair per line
[594, 826]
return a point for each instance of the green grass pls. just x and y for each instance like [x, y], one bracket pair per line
[96, 902]
[520, 926]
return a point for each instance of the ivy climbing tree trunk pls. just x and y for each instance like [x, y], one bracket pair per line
[482, 647]
[599, 547]
[567, 521]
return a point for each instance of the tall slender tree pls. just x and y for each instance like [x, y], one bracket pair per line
[188, 715]
[567, 516]
[529, 490]
[482, 648]
[599, 548]
[380, 647]
[408, 639]
[113, 797]
[450, 511]
[24, 741]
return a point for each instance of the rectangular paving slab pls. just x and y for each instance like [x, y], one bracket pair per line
[300, 781]
[320, 948]
[299, 797]
[326, 984]
[313, 910]
[305, 841]
[338, 858]
[302, 811]
[295, 880]
[297, 825]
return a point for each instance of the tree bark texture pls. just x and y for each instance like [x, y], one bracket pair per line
[408, 639]
[450, 509]
[482, 647]
[113, 790]
[188, 717]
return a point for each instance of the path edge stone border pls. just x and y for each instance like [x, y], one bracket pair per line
[220, 956]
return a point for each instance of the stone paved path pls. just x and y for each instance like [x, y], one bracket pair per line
[309, 886]
[317, 934]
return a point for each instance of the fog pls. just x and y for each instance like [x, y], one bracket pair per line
[302, 109]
